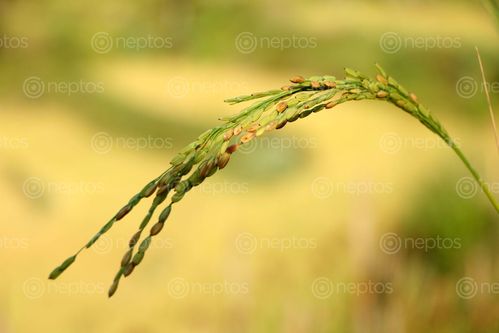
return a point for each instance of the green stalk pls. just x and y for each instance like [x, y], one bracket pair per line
[477, 177]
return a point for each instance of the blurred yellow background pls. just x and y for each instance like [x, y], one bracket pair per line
[356, 219]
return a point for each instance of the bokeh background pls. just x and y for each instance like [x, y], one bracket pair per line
[356, 219]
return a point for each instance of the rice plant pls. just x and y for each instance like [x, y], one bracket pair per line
[271, 110]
